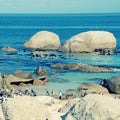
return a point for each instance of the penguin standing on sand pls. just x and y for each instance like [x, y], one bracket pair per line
[33, 93]
[47, 93]
[52, 92]
[60, 95]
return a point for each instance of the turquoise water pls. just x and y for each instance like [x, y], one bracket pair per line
[16, 29]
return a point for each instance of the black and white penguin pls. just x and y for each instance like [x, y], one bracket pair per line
[60, 95]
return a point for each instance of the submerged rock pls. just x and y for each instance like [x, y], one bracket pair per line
[81, 67]
[89, 42]
[21, 74]
[8, 49]
[43, 40]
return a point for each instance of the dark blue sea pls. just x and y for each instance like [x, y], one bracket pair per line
[16, 29]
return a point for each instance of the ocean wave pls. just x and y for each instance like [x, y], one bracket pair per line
[116, 70]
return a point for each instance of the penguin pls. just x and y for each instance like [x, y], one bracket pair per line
[33, 93]
[47, 92]
[60, 95]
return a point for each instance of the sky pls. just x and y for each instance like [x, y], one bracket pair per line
[59, 6]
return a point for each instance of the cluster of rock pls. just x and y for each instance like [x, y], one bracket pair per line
[21, 78]
[107, 86]
[90, 41]
[91, 101]
[84, 42]
[91, 106]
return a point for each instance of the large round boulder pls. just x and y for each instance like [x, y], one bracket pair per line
[89, 42]
[113, 84]
[43, 40]
[30, 108]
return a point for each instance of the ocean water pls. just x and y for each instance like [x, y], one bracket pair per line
[15, 29]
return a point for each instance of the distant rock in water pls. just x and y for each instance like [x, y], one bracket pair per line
[8, 49]
[81, 67]
[44, 40]
[89, 42]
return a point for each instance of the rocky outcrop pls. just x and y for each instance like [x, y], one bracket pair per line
[86, 89]
[13, 81]
[113, 84]
[81, 67]
[8, 49]
[43, 40]
[91, 88]
[40, 71]
[21, 74]
[26, 108]
[89, 42]
[94, 107]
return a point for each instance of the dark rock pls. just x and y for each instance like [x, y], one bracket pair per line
[114, 84]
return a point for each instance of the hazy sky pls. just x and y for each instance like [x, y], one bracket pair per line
[59, 6]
